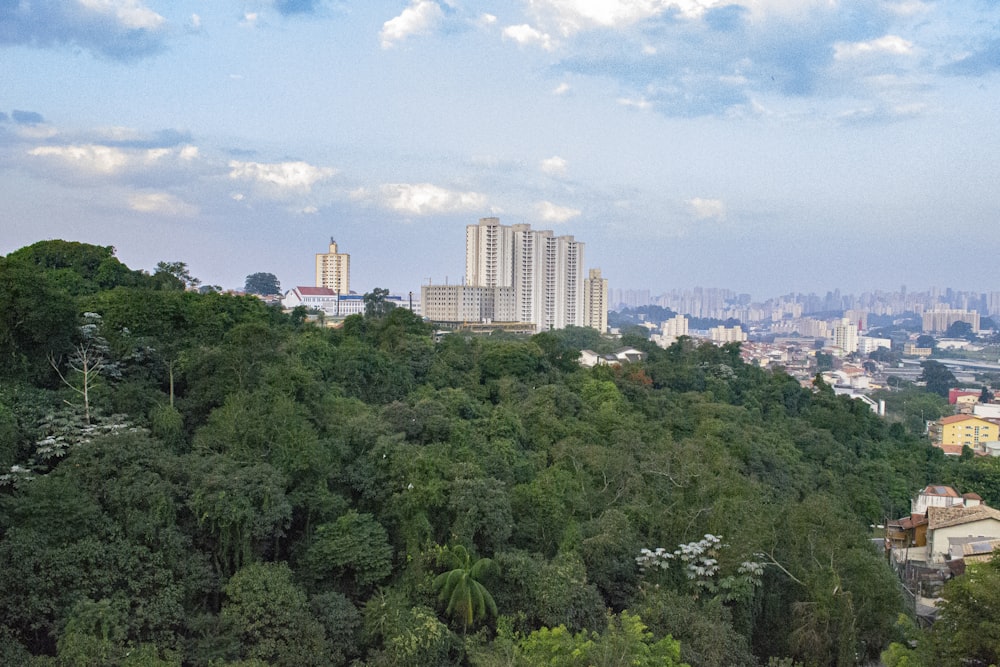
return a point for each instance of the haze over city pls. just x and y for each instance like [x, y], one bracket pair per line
[765, 147]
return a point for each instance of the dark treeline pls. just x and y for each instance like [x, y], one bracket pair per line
[200, 479]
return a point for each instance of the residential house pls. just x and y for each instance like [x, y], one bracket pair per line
[950, 523]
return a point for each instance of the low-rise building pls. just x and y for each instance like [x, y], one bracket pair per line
[468, 303]
[953, 433]
[946, 523]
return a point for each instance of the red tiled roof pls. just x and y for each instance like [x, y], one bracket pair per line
[912, 521]
[315, 291]
[940, 490]
[954, 419]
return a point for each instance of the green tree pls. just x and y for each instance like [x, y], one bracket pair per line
[625, 641]
[37, 319]
[404, 634]
[937, 377]
[272, 617]
[264, 284]
[967, 630]
[353, 552]
[178, 270]
[824, 361]
[467, 599]
[377, 303]
[960, 330]
[242, 509]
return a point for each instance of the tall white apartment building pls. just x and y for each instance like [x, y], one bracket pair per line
[333, 270]
[845, 335]
[546, 271]
[723, 334]
[595, 301]
[671, 330]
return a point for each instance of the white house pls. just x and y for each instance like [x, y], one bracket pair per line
[948, 523]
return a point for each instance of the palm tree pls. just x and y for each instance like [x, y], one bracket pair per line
[468, 600]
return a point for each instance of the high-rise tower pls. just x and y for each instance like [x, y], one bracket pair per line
[333, 270]
[595, 302]
[546, 271]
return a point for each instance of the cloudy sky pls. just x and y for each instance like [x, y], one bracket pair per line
[765, 146]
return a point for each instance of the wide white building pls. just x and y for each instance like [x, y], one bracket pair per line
[335, 305]
[723, 334]
[466, 303]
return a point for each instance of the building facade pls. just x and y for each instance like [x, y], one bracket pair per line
[465, 303]
[333, 270]
[939, 319]
[546, 272]
[953, 433]
[595, 299]
[845, 335]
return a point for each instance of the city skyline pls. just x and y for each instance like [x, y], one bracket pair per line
[767, 147]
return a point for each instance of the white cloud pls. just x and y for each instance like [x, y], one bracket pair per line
[161, 203]
[130, 14]
[637, 103]
[549, 212]
[98, 159]
[309, 210]
[85, 158]
[280, 178]
[561, 89]
[427, 199]
[35, 132]
[572, 16]
[554, 165]
[890, 44]
[524, 34]
[420, 17]
[705, 209]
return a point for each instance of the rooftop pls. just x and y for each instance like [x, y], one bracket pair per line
[943, 517]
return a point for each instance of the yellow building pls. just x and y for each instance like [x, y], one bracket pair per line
[333, 270]
[953, 433]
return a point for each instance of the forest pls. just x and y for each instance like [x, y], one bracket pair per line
[196, 478]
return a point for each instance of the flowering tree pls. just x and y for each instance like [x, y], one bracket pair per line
[700, 565]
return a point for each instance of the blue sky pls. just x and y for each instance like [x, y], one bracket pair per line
[765, 146]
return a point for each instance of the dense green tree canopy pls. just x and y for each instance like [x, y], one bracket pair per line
[253, 489]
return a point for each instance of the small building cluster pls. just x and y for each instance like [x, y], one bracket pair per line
[944, 531]
[516, 279]
[515, 274]
[331, 298]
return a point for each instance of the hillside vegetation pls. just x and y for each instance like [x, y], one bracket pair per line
[200, 479]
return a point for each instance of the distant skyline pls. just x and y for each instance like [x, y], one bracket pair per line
[763, 146]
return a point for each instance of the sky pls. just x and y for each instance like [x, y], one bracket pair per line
[764, 146]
